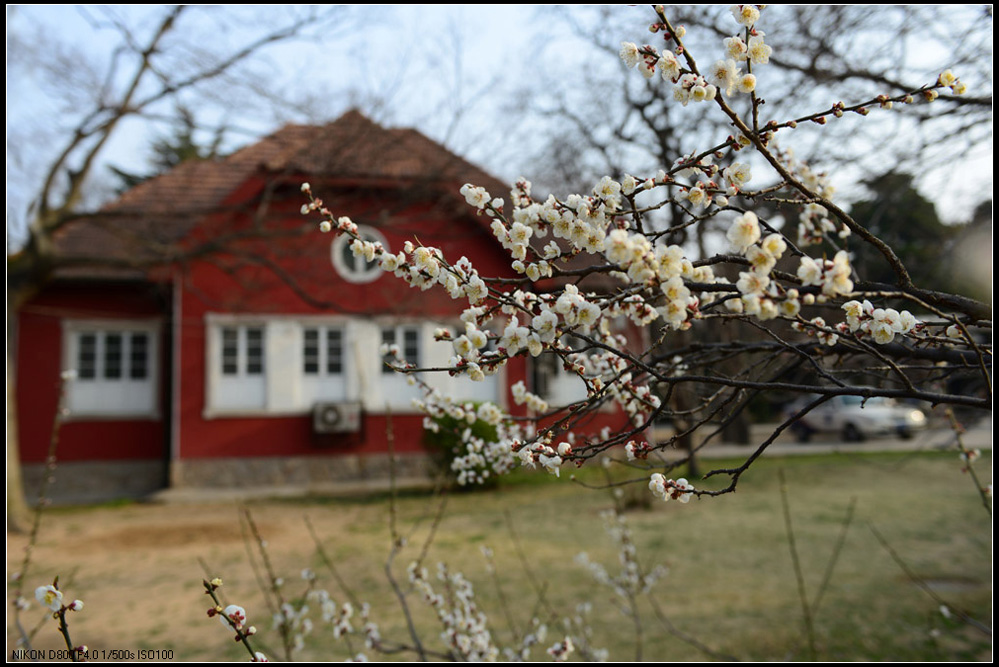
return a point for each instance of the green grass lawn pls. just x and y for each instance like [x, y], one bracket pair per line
[730, 588]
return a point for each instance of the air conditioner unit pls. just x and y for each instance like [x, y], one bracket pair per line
[336, 417]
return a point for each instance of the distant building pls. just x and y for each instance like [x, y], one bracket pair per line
[218, 339]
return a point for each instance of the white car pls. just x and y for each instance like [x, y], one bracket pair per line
[855, 418]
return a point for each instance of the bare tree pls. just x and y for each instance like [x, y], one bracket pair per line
[158, 63]
[614, 124]
[821, 329]
[827, 54]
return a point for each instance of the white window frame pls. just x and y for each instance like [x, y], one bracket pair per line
[283, 388]
[491, 389]
[328, 383]
[396, 388]
[355, 269]
[122, 396]
[286, 389]
[237, 385]
[562, 387]
[399, 333]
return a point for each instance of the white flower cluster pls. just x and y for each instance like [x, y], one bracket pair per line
[51, 598]
[294, 623]
[814, 221]
[693, 88]
[689, 86]
[669, 489]
[947, 78]
[760, 296]
[536, 635]
[523, 397]
[666, 266]
[631, 580]
[480, 458]
[817, 327]
[542, 453]
[833, 276]
[725, 74]
[814, 224]
[637, 400]
[637, 450]
[420, 266]
[882, 324]
[466, 628]
[559, 651]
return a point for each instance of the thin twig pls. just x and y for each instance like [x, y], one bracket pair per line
[48, 479]
[684, 637]
[958, 432]
[827, 577]
[274, 585]
[981, 627]
[328, 562]
[799, 575]
[397, 542]
[525, 563]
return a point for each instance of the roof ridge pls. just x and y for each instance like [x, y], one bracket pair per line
[168, 206]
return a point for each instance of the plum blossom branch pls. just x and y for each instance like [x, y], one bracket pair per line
[644, 294]
[234, 617]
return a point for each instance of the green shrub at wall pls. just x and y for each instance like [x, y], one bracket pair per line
[446, 444]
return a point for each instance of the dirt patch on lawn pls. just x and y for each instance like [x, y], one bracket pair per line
[167, 537]
[139, 569]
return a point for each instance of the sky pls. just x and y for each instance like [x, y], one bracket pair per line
[455, 72]
[418, 66]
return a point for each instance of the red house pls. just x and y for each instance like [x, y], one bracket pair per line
[219, 340]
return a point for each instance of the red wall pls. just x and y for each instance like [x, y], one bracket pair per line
[301, 255]
[232, 282]
[39, 366]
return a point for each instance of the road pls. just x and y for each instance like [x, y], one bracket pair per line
[977, 436]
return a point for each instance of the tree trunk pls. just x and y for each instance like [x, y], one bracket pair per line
[18, 514]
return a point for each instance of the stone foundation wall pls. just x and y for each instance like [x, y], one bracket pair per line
[80, 483]
[305, 473]
[98, 482]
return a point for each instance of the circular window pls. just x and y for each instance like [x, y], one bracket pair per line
[354, 268]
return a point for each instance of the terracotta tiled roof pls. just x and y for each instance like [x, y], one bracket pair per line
[354, 146]
[144, 222]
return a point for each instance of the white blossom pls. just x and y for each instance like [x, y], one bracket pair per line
[724, 73]
[746, 83]
[49, 596]
[759, 53]
[629, 54]
[744, 232]
[746, 15]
